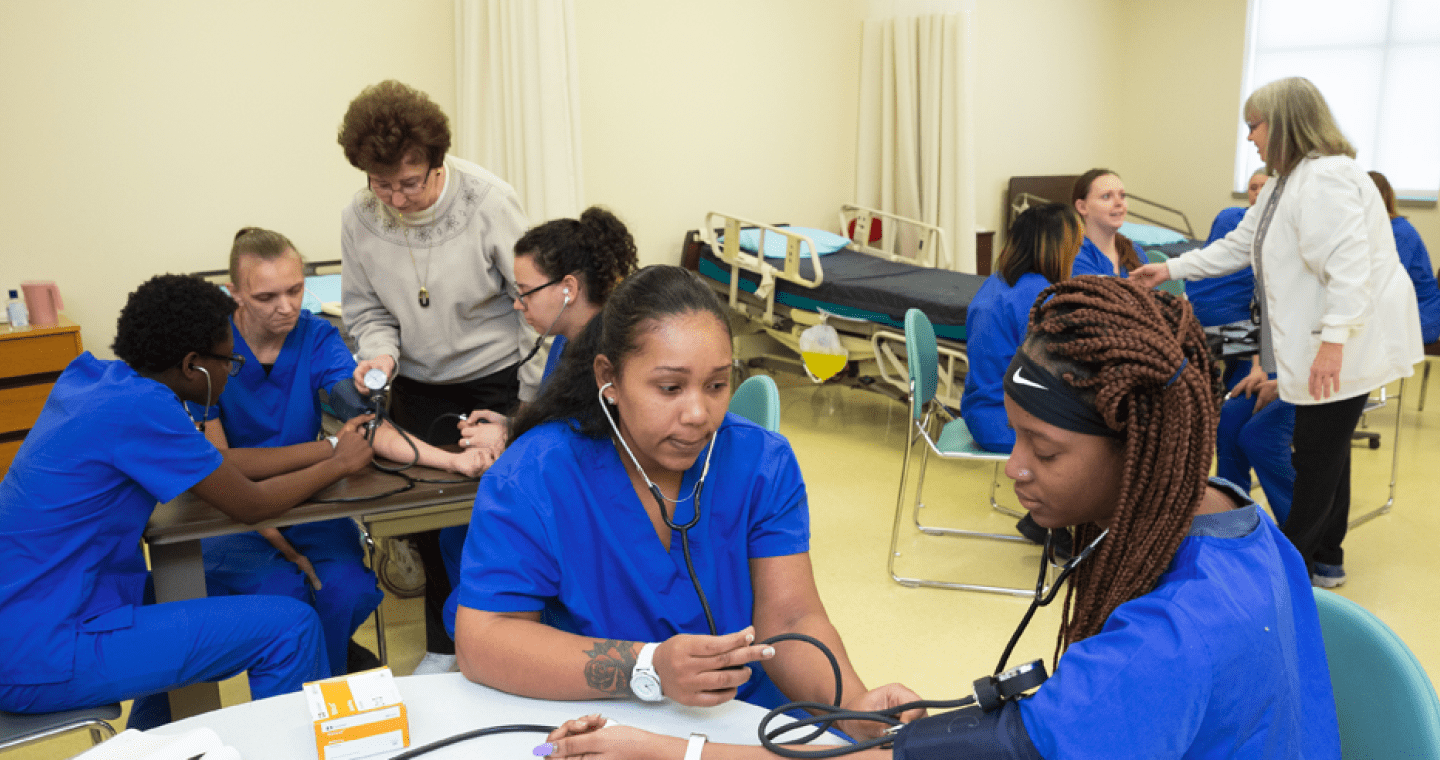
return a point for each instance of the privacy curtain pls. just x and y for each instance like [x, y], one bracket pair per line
[916, 154]
[518, 99]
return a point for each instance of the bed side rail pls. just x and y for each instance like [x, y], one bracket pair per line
[889, 348]
[729, 251]
[903, 239]
[1023, 201]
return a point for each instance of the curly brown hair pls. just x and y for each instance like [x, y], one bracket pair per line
[1140, 357]
[390, 122]
[597, 248]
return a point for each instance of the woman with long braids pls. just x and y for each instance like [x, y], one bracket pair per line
[1191, 631]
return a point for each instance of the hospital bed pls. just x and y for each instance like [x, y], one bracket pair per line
[776, 288]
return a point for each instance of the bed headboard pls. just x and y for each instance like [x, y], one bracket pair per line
[1027, 191]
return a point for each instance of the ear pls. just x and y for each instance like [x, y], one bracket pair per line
[573, 284]
[1080, 207]
[187, 364]
[604, 370]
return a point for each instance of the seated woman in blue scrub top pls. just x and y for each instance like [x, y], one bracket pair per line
[1227, 298]
[1191, 631]
[1416, 261]
[564, 271]
[1099, 196]
[575, 587]
[112, 440]
[290, 356]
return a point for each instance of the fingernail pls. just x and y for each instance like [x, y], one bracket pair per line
[749, 638]
[768, 652]
[545, 750]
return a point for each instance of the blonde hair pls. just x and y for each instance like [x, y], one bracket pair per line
[1300, 123]
[263, 244]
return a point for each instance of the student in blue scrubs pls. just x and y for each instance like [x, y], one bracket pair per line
[574, 587]
[1099, 196]
[291, 356]
[1416, 261]
[1227, 298]
[112, 440]
[1192, 630]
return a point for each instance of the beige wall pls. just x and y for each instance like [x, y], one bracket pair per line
[139, 135]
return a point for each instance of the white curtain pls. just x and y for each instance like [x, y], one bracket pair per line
[518, 99]
[916, 154]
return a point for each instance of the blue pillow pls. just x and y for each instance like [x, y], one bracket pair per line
[1147, 234]
[827, 242]
[319, 290]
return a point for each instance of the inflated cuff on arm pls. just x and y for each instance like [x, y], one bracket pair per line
[969, 733]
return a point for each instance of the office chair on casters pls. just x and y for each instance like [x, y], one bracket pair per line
[954, 442]
[1374, 440]
[17, 730]
[1386, 704]
[758, 400]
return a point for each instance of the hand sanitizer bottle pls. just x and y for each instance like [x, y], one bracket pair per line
[16, 311]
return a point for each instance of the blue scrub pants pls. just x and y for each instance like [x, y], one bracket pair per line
[245, 564]
[180, 643]
[1245, 439]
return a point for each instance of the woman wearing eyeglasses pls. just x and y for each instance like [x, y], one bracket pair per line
[428, 254]
[112, 440]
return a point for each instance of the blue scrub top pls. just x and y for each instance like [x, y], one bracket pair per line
[558, 528]
[1091, 261]
[283, 407]
[552, 359]
[997, 319]
[1417, 263]
[1224, 659]
[107, 447]
[1224, 299]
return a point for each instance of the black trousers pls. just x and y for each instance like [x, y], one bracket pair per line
[420, 409]
[1320, 514]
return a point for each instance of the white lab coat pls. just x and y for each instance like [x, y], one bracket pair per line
[1331, 273]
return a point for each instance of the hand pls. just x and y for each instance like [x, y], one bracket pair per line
[1268, 391]
[704, 671]
[1151, 275]
[1325, 371]
[383, 362]
[302, 562]
[484, 429]
[351, 448]
[588, 738]
[1251, 383]
[472, 463]
[883, 698]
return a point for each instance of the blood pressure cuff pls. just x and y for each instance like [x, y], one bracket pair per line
[968, 732]
[345, 402]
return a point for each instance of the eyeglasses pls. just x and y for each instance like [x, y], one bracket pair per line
[409, 188]
[518, 296]
[236, 361]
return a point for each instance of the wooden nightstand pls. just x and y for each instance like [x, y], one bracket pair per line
[31, 358]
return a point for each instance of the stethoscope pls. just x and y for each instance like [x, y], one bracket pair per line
[563, 306]
[208, 393]
[1042, 598]
[661, 498]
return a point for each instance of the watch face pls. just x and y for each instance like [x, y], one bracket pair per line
[646, 687]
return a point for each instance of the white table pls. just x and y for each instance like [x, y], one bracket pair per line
[440, 706]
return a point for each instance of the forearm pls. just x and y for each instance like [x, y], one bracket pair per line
[248, 501]
[800, 670]
[532, 659]
[390, 443]
[258, 464]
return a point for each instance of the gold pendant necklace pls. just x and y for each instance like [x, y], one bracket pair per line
[424, 291]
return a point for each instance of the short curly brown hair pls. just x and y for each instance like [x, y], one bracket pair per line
[389, 122]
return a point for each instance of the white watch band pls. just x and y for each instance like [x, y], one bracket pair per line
[644, 681]
[334, 441]
[695, 747]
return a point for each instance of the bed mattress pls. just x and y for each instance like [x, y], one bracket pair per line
[861, 286]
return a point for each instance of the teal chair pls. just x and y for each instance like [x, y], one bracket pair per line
[1173, 287]
[758, 400]
[953, 442]
[1386, 704]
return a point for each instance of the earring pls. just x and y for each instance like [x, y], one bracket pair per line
[610, 400]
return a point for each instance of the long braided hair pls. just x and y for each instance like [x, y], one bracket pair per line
[1141, 357]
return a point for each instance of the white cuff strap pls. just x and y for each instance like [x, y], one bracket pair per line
[695, 747]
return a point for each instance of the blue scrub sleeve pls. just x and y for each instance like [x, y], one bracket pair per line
[509, 561]
[332, 360]
[161, 450]
[781, 526]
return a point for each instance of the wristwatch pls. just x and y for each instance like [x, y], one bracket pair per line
[644, 681]
[695, 747]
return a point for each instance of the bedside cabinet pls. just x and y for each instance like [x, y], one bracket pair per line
[31, 358]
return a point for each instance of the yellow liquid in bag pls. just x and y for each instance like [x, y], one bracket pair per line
[823, 366]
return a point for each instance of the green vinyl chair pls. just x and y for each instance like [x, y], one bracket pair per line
[1386, 704]
[1173, 287]
[758, 400]
[953, 442]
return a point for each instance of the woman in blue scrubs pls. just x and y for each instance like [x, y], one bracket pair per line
[1192, 630]
[291, 356]
[1416, 261]
[573, 584]
[1099, 196]
[112, 440]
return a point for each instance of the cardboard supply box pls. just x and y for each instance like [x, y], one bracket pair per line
[357, 715]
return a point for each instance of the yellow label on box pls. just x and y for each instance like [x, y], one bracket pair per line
[357, 715]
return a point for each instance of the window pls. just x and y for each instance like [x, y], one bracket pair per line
[1377, 63]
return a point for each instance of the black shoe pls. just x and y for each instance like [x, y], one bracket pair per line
[358, 658]
[1036, 534]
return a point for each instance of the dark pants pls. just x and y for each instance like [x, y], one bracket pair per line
[421, 409]
[1320, 511]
